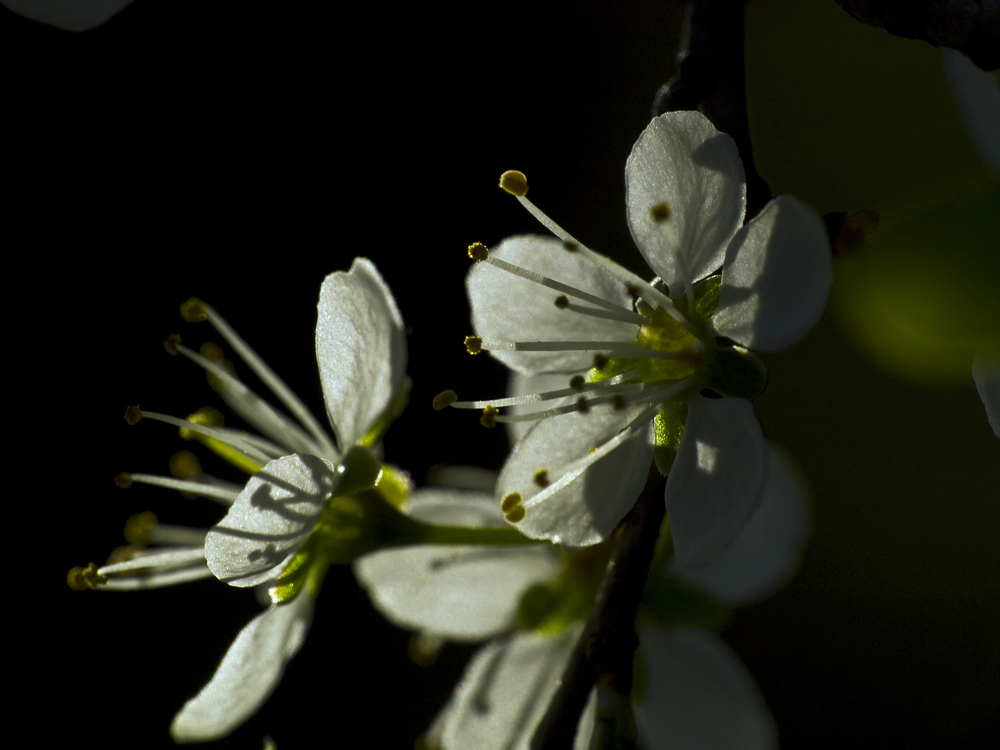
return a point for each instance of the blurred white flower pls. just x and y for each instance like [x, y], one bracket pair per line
[978, 96]
[689, 685]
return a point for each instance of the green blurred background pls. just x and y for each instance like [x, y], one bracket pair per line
[240, 153]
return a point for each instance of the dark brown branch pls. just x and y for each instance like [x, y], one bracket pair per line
[608, 642]
[970, 26]
[709, 77]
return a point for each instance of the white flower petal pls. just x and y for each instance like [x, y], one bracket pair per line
[270, 519]
[682, 159]
[777, 277]
[978, 97]
[589, 492]
[449, 507]
[698, 696]
[986, 373]
[457, 592]
[505, 690]
[508, 308]
[361, 349]
[768, 550]
[71, 15]
[716, 479]
[248, 674]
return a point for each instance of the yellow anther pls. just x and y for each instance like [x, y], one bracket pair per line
[562, 301]
[570, 246]
[133, 414]
[193, 311]
[577, 382]
[582, 406]
[478, 252]
[514, 182]
[123, 480]
[542, 478]
[473, 344]
[122, 554]
[424, 649]
[618, 402]
[138, 528]
[81, 579]
[660, 212]
[489, 417]
[184, 464]
[206, 416]
[444, 399]
[212, 352]
[171, 344]
[511, 501]
[516, 514]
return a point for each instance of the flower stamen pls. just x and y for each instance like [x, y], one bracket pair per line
[253, 408]
[625, 316]
[228, 438]
[635, 283]
[545, 281]
[222, 495]
[481, 345]
[196, 310]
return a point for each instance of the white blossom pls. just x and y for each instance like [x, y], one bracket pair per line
[649, 368]
[300, 479]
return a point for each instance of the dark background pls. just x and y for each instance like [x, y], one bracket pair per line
[241, 152]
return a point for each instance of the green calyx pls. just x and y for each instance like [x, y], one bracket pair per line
[733, 370]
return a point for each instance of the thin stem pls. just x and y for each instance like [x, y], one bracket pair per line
[709, 76]
[606, 646]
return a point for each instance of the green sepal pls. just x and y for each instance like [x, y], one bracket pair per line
[706, 296]
[305, 570]
[394, 485]
[360, 470]
[668, 429]
[666, 601]
[553, 606]
[734, 371]
[293, 577]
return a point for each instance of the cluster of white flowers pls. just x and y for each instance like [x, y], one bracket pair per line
[644, 376]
